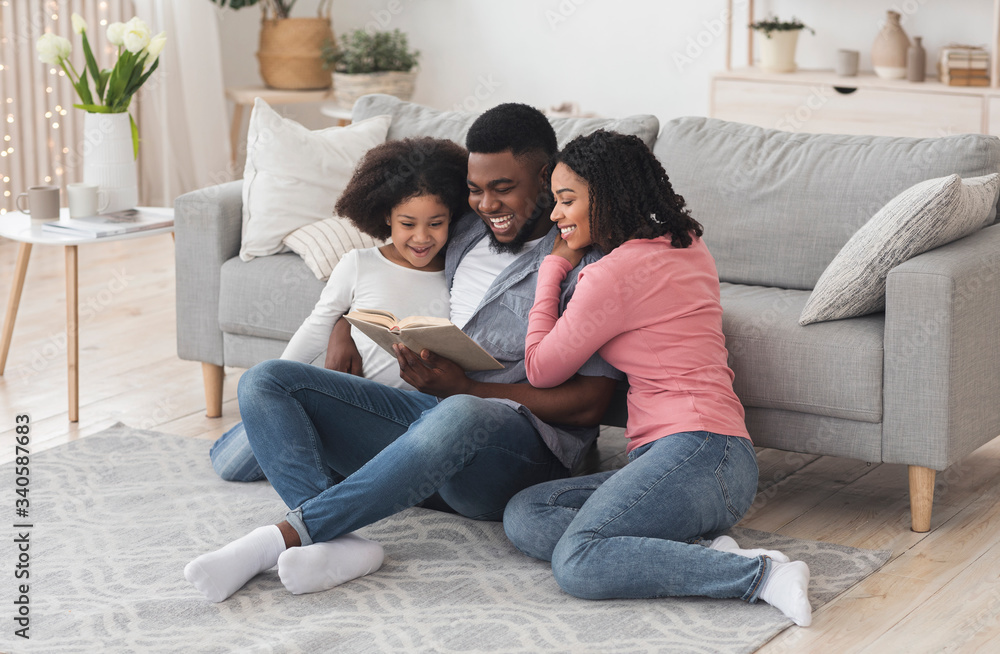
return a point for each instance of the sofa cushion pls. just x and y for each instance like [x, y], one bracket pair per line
[830, 369]
[777, 206]
[267, 296]
[321, 244]
[923, 217]
[409, 120]
[294, 176]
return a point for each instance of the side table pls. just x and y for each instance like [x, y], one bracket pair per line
[20, 227]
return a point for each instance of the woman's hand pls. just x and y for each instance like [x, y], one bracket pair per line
[430, 373]
[341, 351]
[562, 249]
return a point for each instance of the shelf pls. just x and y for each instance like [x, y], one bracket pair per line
[861, 81]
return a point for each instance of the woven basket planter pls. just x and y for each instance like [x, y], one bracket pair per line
[289, 52]
[348, 88]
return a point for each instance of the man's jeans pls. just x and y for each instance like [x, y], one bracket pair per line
[631, 533]
[309, 427]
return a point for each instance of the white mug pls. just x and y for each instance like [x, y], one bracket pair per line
[86, 200]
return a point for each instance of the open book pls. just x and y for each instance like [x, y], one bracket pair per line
[439, 335]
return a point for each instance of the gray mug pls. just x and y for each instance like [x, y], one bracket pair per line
[43, 202]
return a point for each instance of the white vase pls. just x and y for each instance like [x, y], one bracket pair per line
[777, 51]
[108, 159]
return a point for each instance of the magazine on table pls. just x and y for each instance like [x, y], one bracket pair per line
[108, 224]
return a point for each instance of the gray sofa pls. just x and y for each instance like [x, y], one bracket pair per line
[915, 385]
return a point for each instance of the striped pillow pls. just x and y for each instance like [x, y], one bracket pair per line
[923, 217]
[322, 243]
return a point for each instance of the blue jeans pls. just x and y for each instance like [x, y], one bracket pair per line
[311, 427]
[232, 457]
[630, 533]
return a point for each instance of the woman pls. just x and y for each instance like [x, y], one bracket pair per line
[651, 308]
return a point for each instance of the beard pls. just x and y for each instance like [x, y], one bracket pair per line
[542, 209]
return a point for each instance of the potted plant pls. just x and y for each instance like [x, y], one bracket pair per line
[289, 50]
[777, 48]
[111, 138]
[375, 62]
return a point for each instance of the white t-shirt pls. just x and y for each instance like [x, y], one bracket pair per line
[475, 274]
[365, 279]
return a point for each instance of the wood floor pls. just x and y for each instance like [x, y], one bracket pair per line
[940, 591]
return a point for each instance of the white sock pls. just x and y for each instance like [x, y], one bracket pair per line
[786, 588]
[321, 566]
[221, 573]
[727, 544]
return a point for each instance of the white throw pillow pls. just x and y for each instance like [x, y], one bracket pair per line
[294, 176]
[925, 216]
[321, 244]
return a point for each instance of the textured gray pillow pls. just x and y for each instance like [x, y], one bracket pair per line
[925, 216]
[410, 120]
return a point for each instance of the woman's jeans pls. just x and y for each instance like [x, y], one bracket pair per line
[630, 533]
[310, 428]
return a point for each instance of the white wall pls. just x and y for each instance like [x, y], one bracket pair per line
[612, 57]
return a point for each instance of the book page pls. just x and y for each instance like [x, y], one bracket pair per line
[374, 316]
[422, 321]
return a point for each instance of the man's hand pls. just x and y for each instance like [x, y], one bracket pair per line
[562, 249]
[430, 373]
[341, 352]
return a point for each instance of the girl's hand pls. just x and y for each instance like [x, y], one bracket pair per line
[562, 249]
[430, 373]
[341, 352]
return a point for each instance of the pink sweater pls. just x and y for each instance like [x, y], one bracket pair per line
[653, 312]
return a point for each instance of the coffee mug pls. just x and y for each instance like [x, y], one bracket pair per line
[43, 202]
[847, 62]
[86, 200]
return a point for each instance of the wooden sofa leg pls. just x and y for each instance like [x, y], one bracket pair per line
[213, 376]
[921, 498]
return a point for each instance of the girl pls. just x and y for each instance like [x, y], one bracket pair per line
[408, 190]
[651, 308]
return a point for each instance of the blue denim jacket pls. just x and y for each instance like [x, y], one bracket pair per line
[500, 325]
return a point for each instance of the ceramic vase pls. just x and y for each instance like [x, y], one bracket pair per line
[777, 51]
[890, 49]
[108, 159]
[916, 61]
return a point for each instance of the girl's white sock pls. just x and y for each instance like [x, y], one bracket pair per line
[727, 544]
[786, 588]
[221, 573]
[321, 566]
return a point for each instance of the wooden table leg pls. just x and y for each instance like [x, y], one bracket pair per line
[13, 301]
[72, 334]
[235, 131]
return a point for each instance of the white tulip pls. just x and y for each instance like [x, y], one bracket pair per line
[52, 49]
[116, 34]
[155, 46]
[79, 24]
[137, 35]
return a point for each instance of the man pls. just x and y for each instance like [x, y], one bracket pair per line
[474, 439]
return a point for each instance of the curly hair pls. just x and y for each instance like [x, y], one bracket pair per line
[520, 128]
[396, 171]
[630, 194]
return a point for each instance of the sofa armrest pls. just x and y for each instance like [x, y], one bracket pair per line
[207, 229]
[941, 353]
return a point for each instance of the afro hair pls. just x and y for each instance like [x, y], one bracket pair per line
[396, 171]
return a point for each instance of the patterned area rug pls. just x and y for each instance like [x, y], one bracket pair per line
[116, 517]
